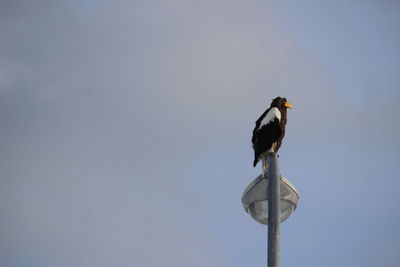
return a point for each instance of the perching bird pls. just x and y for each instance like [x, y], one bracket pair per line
[269, 131]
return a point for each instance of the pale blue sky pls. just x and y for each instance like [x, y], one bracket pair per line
[126, 127]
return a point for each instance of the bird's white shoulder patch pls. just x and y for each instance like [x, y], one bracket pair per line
[271, 115]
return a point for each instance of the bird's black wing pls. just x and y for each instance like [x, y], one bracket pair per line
[264, 137]
[258, 122]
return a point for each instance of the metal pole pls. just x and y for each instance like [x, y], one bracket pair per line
[273, 210]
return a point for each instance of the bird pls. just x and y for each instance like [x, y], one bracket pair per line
[269, 131]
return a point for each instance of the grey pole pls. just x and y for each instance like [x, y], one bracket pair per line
[273, 210]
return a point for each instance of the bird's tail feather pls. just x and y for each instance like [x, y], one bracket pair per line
[255, 162]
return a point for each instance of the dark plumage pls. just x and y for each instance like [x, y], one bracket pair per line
[270, 130]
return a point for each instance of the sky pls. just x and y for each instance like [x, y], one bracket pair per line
[126, 127]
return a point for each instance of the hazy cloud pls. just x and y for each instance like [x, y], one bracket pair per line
[125, 135]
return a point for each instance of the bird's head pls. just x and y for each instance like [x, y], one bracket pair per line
[281, 103]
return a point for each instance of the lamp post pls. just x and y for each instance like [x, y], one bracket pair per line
[270, 200]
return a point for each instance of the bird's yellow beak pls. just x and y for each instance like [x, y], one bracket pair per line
[288, 105]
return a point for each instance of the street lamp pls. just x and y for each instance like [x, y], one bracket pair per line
[271, 202]
[255, 199]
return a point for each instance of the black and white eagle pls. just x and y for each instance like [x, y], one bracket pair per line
[270, 130]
